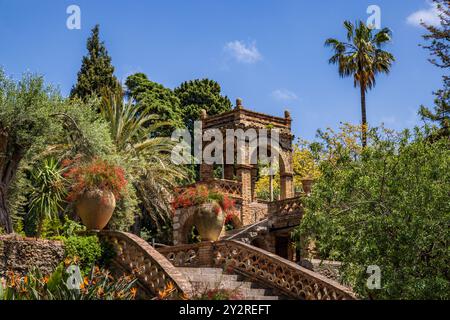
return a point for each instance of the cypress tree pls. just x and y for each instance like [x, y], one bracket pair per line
[97, 72]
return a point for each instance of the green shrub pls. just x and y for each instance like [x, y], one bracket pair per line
[108, 253]
[54, 229]
[86, 249]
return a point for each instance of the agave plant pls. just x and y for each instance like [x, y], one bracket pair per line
[49, 192]
[133, 131]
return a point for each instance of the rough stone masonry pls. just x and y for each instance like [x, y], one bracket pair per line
[20, 254]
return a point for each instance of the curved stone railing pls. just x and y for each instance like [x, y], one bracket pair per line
[151, 268]
[261, 266]
[273, 271]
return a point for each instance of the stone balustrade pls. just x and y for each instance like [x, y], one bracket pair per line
[285, 213]
[151, 268]
[229, 187]
[286, 206]
[258, 265]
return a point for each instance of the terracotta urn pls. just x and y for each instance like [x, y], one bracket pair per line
[95, 208]
[209, 219]
[307, 185]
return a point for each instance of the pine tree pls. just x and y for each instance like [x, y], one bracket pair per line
[439, 47]
[96, 73]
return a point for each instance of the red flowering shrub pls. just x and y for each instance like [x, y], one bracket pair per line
[229, 217]
[201, 194]
[229, 221]
[98, 174]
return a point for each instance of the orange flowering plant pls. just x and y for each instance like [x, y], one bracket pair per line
[100, 285]
[97, 174]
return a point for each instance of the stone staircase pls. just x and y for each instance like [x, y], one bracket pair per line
[248, 233]
[204, 279]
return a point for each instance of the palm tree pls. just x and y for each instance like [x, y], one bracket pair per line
[133, 131]
[362, 58]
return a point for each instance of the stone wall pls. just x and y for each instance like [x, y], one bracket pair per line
[19, 254]
[329, 269]
[258, 211]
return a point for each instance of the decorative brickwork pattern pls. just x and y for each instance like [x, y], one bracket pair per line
[151, 268]
[261, 266]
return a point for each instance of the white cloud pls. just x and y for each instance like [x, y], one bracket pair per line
[429, 16]
[242, 52]
[284, 95]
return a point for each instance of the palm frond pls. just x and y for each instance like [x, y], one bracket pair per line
[148, 155]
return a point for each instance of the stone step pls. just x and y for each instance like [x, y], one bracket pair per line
[211, 277]
[245, 288]
[200, 271]
[262, 298]
[203, 279]
[245, 292]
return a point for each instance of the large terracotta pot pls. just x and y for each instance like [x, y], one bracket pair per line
[307, 185]
[209, 219]
[95, 208]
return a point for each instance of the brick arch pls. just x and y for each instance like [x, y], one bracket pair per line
[244, 174]
[183, 220]
[285, 162]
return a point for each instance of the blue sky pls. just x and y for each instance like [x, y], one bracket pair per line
[269, 53]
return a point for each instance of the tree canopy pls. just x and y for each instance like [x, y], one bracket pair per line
[196, 95]
[387, 206]
[154, 98]
[439, 47]
[97, 72]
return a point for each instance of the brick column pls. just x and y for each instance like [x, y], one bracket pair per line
[244, 175]
[229, 172]
[286, 185]
[206, 172]
[254, 176]
[205, 254]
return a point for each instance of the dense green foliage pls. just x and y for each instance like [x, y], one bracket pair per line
[96, 73]
[154, 98]
[86, 249]
[47, 194]
[439, 47]
[60, 228]
[26, 122]
[198, 95]
[363, 59]
[37, 125]
[146, 155]
[387, 205]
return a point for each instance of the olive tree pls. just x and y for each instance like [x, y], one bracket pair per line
[35, 121]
